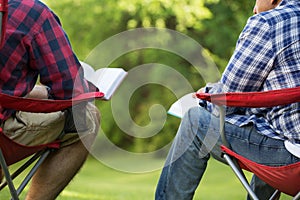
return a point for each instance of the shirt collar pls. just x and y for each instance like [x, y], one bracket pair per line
[284, 2]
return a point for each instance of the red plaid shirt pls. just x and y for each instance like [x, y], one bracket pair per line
[37, 47]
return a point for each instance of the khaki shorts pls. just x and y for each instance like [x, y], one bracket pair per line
[41, 128]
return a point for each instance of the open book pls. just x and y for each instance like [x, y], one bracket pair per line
[292, 147]
[107, 80]
[182, 105]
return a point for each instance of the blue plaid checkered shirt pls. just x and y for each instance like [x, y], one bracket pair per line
[267, 57]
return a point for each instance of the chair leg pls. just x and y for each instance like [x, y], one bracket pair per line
[275, 195]
[240, 176]
[11, 186]
[26, 180]
[297, 197]
[41, 156]
[21, 169]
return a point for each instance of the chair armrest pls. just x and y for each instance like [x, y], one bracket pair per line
[254, 99]
[44, 105]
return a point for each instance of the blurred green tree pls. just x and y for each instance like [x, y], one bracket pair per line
[215, 24]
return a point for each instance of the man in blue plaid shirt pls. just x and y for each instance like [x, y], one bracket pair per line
[267, 57]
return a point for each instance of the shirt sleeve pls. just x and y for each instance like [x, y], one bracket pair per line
[54, 59]
[250, 63]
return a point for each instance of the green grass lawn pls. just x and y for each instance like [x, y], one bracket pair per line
[98, 182]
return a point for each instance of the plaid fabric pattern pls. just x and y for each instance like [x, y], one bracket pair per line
[267, 57]
[36, 46]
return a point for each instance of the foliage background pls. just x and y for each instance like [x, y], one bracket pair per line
[215, 24]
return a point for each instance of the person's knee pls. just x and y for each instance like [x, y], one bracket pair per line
[92, 124]
[190, 115]
[93, 118]
[190, 121]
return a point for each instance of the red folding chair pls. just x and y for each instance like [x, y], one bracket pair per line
[11, 152]
[285, 179]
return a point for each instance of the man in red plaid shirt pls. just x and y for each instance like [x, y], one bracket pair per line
[36, 47]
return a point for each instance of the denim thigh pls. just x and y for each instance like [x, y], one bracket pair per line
[245, 141]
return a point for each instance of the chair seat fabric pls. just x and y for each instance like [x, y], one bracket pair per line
[284, 178]
[14, 152]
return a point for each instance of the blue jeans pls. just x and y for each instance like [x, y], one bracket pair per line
[197, 138]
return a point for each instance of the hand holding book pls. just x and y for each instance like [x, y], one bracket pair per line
[182, 105]
[107, 80]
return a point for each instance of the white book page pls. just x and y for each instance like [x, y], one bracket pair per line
[293, 148]
[107, 80]
[182, 105]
